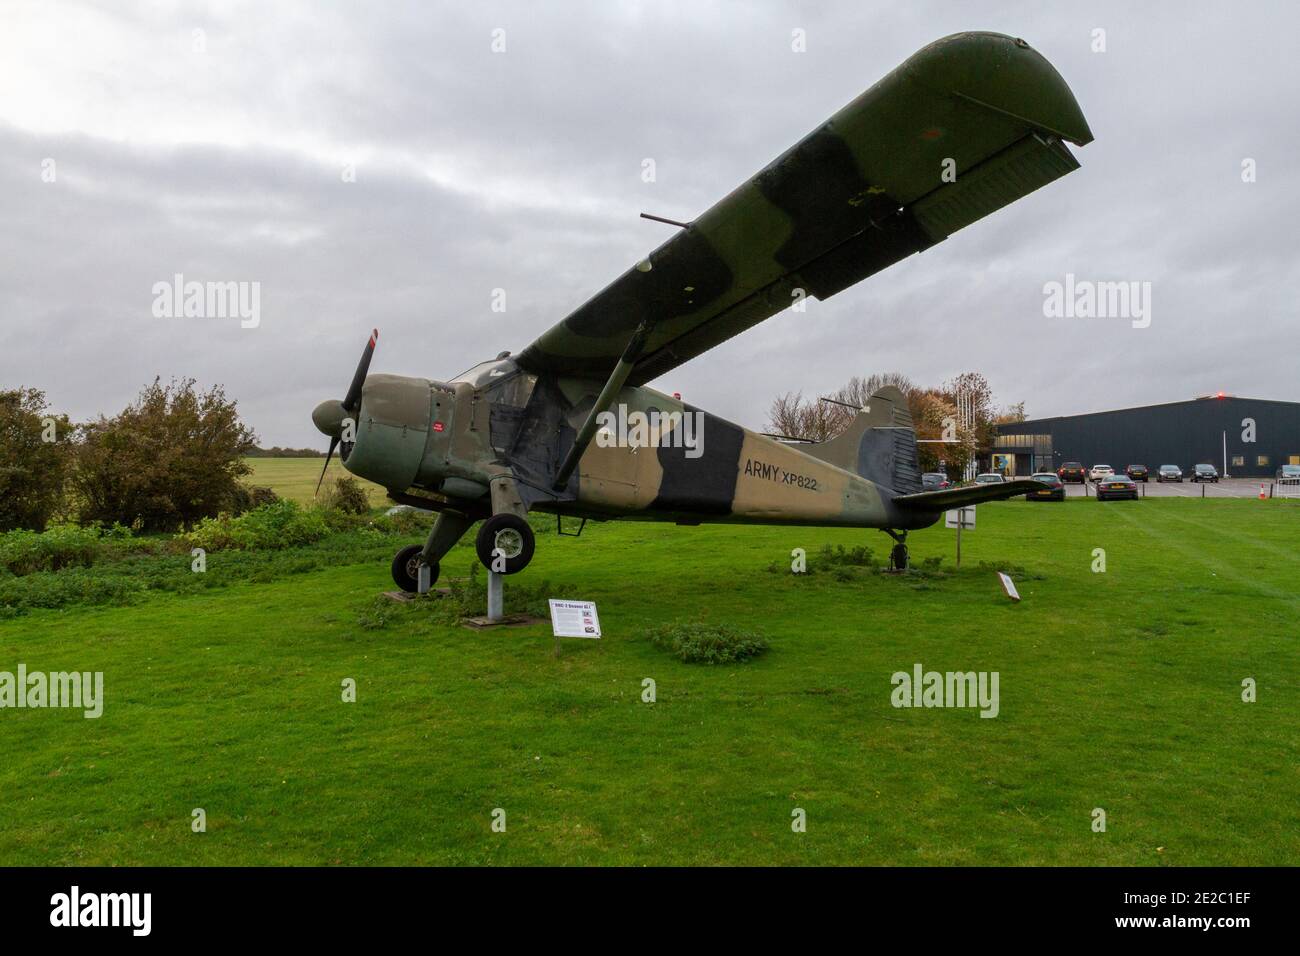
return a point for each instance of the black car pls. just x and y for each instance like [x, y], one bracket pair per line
[1170, 473]
[1117, 486]
[934, 481]
[1073, 471]
[1053, 488]
[1137, 472]
[1205, 473]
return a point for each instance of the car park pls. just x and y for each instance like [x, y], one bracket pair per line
[1137, 472]
[1073, 471]
[1205, 473]
[1117, 486]
[1100, 473]
[1053, 487]
[935, 481]
[1169, 473]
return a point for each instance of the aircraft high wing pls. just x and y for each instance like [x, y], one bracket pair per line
[967, 125]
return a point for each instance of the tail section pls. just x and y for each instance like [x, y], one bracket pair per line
[879, 444]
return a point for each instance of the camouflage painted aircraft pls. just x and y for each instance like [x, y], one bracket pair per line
[969, 124]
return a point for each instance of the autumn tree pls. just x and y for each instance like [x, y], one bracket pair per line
[172, 457]
[34, 459]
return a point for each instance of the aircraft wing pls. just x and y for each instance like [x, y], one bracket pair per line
[970, 495]
[969, 124]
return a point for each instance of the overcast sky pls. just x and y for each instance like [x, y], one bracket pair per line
[222, 155]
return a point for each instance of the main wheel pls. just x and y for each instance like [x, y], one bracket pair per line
[509, 534]
[898, 557]
[406, 569]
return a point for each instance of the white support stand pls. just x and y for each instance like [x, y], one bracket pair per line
[424, 579]
[496, 596]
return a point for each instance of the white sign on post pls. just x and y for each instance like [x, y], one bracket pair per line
[960, 517]
[574, 619]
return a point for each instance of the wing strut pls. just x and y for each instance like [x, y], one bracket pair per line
[617, 378]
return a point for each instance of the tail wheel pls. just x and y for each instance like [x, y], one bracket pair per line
[511, 536]
[406, 569]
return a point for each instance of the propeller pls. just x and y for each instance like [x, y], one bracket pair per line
[329, 415]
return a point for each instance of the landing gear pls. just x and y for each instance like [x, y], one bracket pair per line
[406, 569]
[898, 557]
[505, 543]
[446, 531]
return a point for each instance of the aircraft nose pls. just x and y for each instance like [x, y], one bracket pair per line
[328, 417]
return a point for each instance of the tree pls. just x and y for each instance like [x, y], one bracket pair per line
[34, 456]
[937, 416]
[164, 462]
[792, 415]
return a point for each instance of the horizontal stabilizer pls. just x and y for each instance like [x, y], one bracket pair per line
[970, 495]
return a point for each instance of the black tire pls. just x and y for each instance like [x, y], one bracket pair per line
[512, 534]
[406, 568]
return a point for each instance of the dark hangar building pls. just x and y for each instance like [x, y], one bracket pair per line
[1215, 429]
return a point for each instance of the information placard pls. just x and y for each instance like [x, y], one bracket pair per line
[960, 517]
[574, 618]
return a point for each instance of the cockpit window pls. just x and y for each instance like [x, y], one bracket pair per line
[484, 373]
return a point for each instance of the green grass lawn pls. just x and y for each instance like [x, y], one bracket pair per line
[1119, 690]
[296, 478]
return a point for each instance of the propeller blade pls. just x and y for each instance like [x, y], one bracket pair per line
[353, 400]
[333, 444]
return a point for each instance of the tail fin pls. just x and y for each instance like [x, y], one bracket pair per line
[879, 444]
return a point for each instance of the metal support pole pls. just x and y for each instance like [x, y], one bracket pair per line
[496, 596]
[424, 579]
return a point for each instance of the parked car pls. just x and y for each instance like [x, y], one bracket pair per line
[1205, 473]
[989, 478]
[1100, 473]
[935, 481]
[1072, 471]
[1169, 473]
[1137, 472]
[1053, 488]
[1289, 473]
[1117, 486]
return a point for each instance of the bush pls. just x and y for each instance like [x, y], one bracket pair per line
[32, 468]
[699, 643]
[163, 463]
[348, 496]
[247, 497]
[62, 546]
[280, 525]
[859, 556]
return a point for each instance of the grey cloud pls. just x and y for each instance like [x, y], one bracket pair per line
[522, 171]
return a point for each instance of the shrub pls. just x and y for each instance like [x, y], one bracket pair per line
[170, 459]
[406, 523]
[700, 643]
[247, 497]
[859, 556]
[32, 468]
[348, 496]
[59, 547]
[280, 525]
